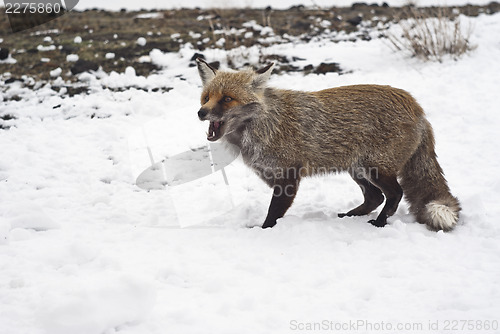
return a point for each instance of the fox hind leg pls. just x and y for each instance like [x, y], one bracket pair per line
[393, 194]
[373, 198]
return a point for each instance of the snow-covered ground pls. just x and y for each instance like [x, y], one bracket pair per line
[84, 250]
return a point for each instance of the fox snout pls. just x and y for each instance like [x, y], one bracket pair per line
[202, 113]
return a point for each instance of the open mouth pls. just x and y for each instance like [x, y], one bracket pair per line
[215, 130]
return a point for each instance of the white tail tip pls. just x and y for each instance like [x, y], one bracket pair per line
[442, 216]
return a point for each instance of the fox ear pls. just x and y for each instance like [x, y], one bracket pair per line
[262, 76]
[206, 71]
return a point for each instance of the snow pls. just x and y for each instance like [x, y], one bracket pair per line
[141, 41]
[77, 40]
[144, 59]
[72, 57]
[28, 216]
[149, 16]
[62, 307]
[8, 60]
[83, 249]
[43, 48]
[56, 72]
[109, 55]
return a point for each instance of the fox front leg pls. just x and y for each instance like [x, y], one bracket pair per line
[283, 196]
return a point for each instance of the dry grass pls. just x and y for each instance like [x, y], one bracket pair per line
[433, 37]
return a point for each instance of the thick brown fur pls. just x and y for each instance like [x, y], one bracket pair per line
[378, 134]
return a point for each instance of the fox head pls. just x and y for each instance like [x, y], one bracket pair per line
[230, 100]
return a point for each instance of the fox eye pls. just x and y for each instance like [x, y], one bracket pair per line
[228, 98]
[206, 98]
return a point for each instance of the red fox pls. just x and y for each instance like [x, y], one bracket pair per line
[378, 134]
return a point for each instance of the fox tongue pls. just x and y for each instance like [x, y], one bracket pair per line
[213, 129]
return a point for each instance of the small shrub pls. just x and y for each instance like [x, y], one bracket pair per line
[432, 37]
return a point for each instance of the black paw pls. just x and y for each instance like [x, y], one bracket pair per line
[377, 223]
[268, 224]
[342, 215]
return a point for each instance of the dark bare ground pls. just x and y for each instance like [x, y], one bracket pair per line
[105, 32]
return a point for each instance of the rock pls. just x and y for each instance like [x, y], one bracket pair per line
[197, 55]
[84, 66]
[358, 5]
[308, 68]
[493, 7]
[288, 68]
[327, 67]
[4, 53]
[355, 20]
[276, 58]
[69, 49]
[11, 80]
[366, 37]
